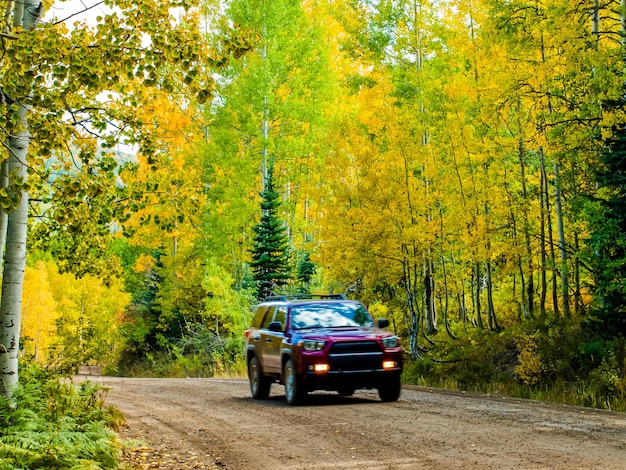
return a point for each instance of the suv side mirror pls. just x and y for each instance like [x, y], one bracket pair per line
[275, 326]
[382, 323]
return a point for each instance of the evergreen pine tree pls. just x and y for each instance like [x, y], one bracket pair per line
[270, 256]
[306, 270]
[609, 239]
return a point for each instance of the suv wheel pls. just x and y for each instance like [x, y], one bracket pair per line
[259, 383]
[293, 388]
[390, 389]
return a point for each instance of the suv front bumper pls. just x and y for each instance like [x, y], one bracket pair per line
[334, 380]
[358, 371]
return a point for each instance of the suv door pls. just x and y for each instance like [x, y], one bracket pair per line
[271, 341]
[260, 337]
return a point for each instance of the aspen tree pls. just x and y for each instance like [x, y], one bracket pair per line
[26, 16]
[67, 88]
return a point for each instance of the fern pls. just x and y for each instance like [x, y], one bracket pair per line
[54, 424]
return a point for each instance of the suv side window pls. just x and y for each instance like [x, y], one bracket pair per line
[258, 316]
[281, 315]
[268, 318]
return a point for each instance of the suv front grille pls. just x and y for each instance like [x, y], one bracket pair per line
[355, 356]
[354, 347]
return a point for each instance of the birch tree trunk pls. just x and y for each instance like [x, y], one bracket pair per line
[579, 305]
[9, 12]
[4, 183]
[409, 270]
[491, 311]
[14, 262]
[429, 297]
[544, 255]
[561, 232]
[528, 308]
[265, 131]
[622, 19]
[26, 15]
[446, 299]
[264, 162]
[555, 294]
[478, 282]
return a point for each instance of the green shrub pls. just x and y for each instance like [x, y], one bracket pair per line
[199, 353]
[545, 359]
[54, 424]
[416, 370]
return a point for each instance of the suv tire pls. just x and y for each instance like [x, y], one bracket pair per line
[293, 388]
[259, 383]
[390, 390]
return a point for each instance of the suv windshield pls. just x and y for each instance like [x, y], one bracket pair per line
[330, 315]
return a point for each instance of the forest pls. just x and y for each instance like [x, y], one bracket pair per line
[456, 165]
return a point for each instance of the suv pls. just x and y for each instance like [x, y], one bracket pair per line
[321, 342]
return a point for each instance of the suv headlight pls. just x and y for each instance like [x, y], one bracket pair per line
[390, 342]
[312, 345]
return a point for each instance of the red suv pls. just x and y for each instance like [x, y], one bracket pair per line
[321, 342]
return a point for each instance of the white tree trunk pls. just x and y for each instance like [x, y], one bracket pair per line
[27, 15]
[14, 262]
[4, 183]
[622, 17]
[562, 245]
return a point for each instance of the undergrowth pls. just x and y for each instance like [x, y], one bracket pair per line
[53, 424]
[547, 360]
[200, 353]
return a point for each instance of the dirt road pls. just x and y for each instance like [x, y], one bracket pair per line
[213, 423]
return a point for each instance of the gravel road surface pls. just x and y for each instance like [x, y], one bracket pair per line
[213, 423]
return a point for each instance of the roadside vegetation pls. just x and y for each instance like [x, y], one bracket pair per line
[53, 423]
[547, 360]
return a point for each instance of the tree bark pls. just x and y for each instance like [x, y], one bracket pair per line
[265, 131]
[544, 256]
[622, 18]
[26, 15]
[409, 273]
[555, 294]
[561, 232]
[429, 297]
[579, 305]
[4, 183]
[446, 299]
[529, 294]
[479, 318]
[14, 263]
[492, 321]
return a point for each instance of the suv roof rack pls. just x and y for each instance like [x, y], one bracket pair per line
[319, 296]
[306, 296]
[275, 297]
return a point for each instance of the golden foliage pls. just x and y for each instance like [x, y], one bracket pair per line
[529, 369]
[39, 312]
[68, 320]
